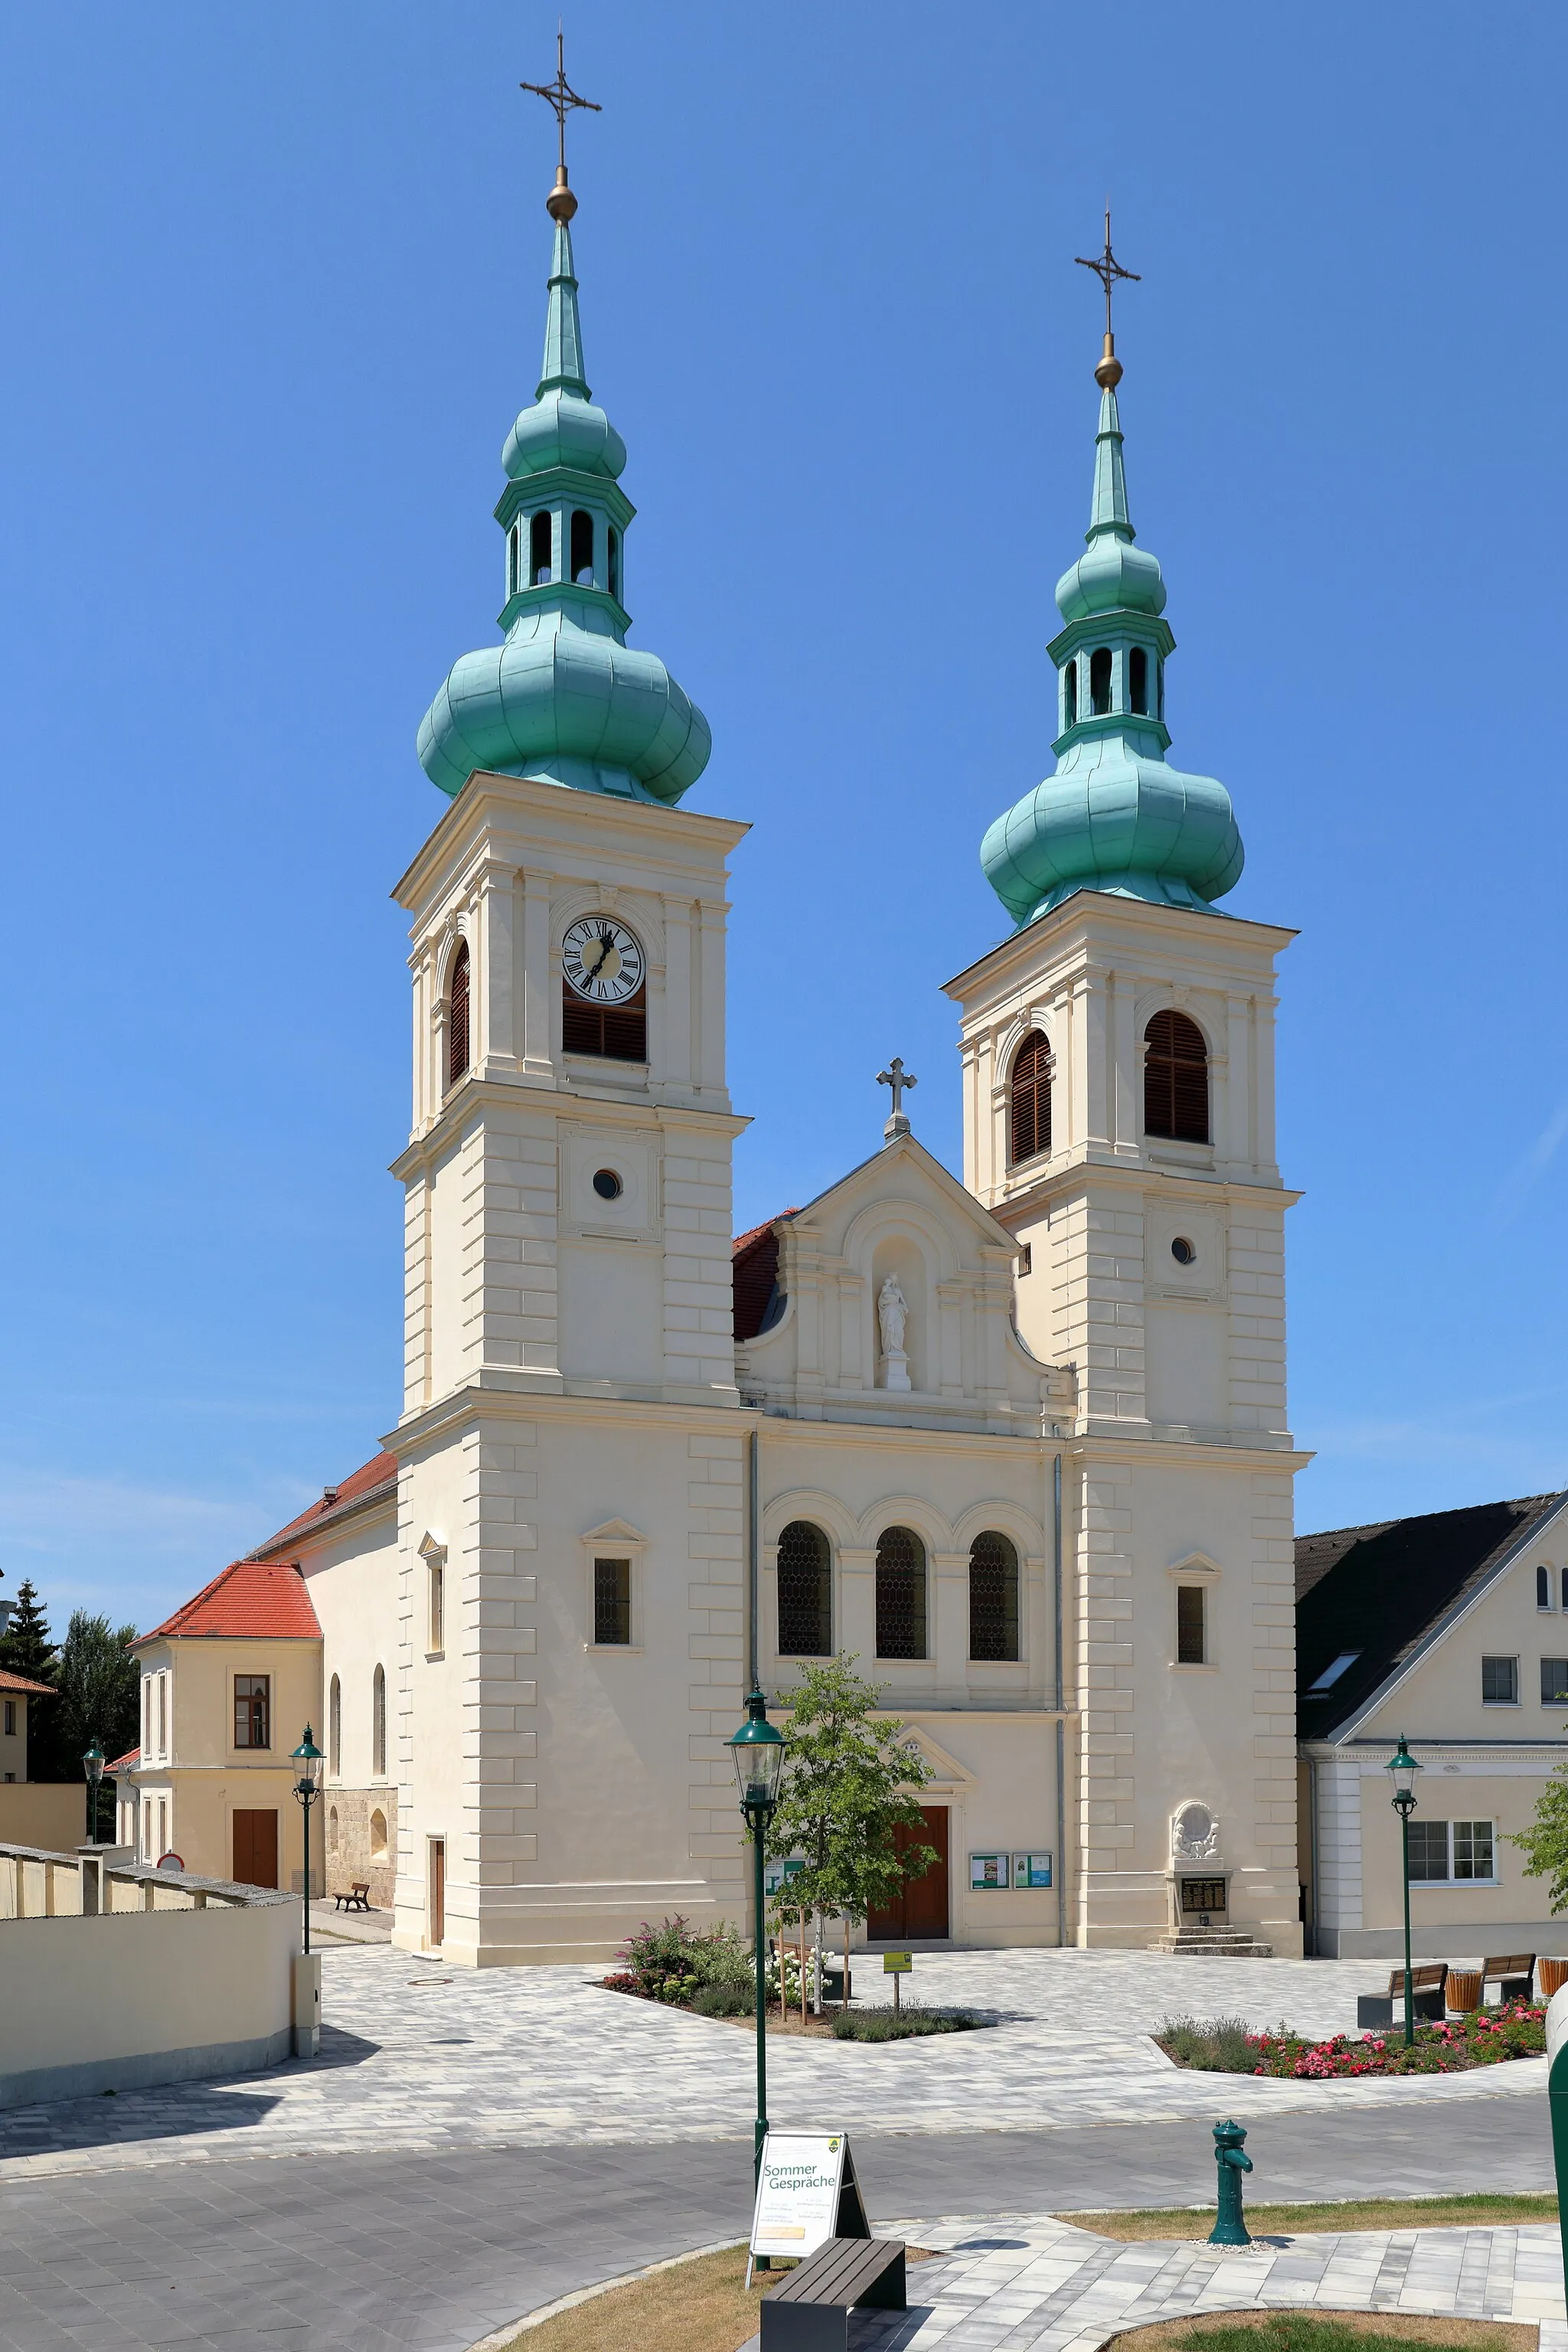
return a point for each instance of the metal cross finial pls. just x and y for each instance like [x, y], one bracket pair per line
[1107, 269]
[900, 1080]
[561, 95]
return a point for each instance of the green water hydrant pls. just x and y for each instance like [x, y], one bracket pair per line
[1230, 2228]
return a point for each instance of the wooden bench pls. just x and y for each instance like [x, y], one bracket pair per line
[1429, 1986]
[810, 2311]
[357, 1898]
[1513, 1974]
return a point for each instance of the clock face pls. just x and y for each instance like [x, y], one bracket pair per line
[602, 960]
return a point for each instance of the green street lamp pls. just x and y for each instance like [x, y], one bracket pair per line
[307, 1788]
[758, 1750]
[92, 1765]
[1402, 1769]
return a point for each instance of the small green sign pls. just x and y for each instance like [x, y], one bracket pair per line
[896, 1964]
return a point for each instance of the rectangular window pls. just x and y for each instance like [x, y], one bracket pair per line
[1543, 1588]
[162, 1714]
[253, 1710]
[1565, 1588]
[1026, 1258]
[10, 1718]
[1553, 1682]
[1473, 1850]
[146, 1714]
[163, 1829]
[147, 1854]
[1428, 1850]
[1500, 1682]
[438, 1603]
[1190, 1645]
[611, 1602]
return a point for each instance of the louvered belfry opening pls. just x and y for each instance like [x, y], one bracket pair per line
[994, 1597]
[1175, 1079]
[900, 1595]
[1029, 1099]
[458, 1016]
[615, 1032]
[805, 1593]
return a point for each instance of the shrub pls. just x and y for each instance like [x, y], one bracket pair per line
[1486, 2038]
[723, 1999]
[903, 2025]
[1218, 2045]
[674, 1961]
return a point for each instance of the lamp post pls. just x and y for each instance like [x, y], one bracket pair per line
[757, 1750]
[92, 1765]
[307, 1788]
[1402, 1769]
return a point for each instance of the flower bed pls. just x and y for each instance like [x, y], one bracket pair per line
[710, 1972]
[1227, 2045]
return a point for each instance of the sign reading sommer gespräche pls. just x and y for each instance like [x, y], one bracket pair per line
[806, 2193]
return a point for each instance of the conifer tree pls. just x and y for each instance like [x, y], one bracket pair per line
[27, 1647]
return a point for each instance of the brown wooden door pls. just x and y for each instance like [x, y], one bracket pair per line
[437, 1891]
[255, 1848]
[919, 1912]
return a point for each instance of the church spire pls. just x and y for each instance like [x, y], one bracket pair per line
[563, 698]
[1115, 816]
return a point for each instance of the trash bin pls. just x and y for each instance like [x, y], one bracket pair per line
[1464, 1990]
[1551, 1976]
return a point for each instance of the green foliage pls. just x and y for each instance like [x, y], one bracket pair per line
[675, 1961]
[1216, 2045]
[1487, 2037]
[1300, 2331]
[902, 2025]
[1545, 1841]
[27, 1647]
[723, 2000]
[99, 1682]
[847, 1792]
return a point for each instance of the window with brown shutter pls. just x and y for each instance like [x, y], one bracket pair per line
[615, 1032]
[1029, 1100]
[457, 1016]
[1175, 1079]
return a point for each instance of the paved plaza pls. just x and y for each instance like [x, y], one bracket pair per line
[418, 2057]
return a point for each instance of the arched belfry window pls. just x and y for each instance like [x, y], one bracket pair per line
[900, 1595]
[612, 558]
[1069, 695]
[1029, 1100]
[458, 1016]
[1175, 1079]
[539, 551]
[805, 1593]
[1137, 680]
[583, 549]
[994, 1597]
[1099, 680]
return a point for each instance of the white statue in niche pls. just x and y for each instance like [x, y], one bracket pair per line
[893, 1311]
[1195, 1835]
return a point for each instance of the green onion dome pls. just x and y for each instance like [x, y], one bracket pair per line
[564, 697]
[1115, 816]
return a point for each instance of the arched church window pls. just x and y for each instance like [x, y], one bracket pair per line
[1069, 695]
[378, 1724]
[1175, 1079]
[900, 1595]
[1138, 678]
[1159, 687]
[1029, 1100]
[335, 1728]
[583, 548]
[1099, 680]
[514, 559]
[458, 1016]
[612, 558]
[993, 1597]
[539, 551]
[805, 1593]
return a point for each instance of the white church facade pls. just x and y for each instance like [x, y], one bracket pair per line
[1018, 1442]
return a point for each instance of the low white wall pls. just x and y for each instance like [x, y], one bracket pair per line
[130, 1997]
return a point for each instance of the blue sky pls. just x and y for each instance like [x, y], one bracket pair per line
[273, 285]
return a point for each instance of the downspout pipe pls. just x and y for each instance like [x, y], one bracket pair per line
[1061, 1728]
[753, 1562]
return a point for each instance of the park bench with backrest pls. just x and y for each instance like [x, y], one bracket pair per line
[810, 2311]
[357, 1898]
[1429, 1986]
[1513, 1975]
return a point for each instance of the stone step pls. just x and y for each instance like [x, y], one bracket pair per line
[1213, 1943]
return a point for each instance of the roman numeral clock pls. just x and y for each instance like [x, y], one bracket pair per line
[602, 960]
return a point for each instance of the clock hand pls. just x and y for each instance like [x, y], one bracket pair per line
[594, 970]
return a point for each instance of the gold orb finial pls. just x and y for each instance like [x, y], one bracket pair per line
[1108, 375]
[561, 204]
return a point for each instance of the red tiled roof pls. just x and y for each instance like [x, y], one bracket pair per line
[20, 1683]
[252, 1597]
[380, 1471]
[753, 1274]
[126, 1763]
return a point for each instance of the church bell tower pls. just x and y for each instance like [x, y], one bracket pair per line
[1118, 1071]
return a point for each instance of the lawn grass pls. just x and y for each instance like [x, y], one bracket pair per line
[1329, 2331]
[700, 2306]
[1290, 2220]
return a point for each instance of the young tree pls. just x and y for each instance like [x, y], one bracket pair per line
[1545, 1841]
[27, 1648]
[99, 1682]
[845, 1795]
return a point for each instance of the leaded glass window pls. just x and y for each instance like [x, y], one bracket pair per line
[993, 1597]
[900, 1595]
[805, 1593]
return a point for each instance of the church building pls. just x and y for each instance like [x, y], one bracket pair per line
[1017, 1442]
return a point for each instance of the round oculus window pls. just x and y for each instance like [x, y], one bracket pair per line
[607, 1184]
[1183, 1251]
